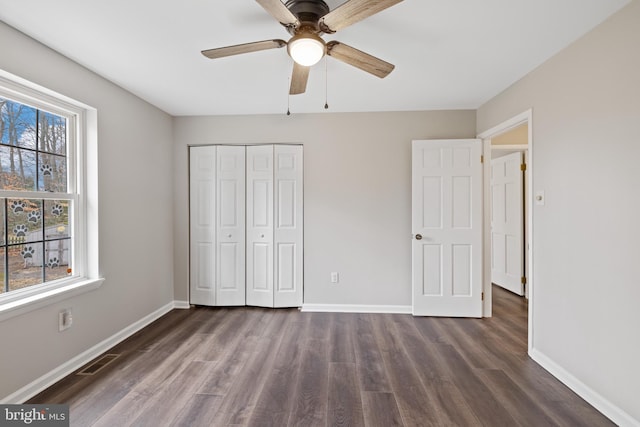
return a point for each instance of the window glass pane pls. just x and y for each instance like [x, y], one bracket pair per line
[57, 259]
[56, 219]
[24, 220]
[52, 173]
[17, 169]
[25, 265]
[35, 233]
[17, 124]
[52, 133]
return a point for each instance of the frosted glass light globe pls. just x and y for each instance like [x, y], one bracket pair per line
[306, 49]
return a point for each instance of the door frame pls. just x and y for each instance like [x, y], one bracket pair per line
[525, 117]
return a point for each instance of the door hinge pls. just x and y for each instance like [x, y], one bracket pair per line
[523, 280]
[523, 167]
[483, 296]
[481, 159]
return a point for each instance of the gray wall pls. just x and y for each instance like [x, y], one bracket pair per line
[135, 214]
[357, 194]
[586, 148]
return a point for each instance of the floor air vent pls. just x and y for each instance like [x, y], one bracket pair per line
[98, 364]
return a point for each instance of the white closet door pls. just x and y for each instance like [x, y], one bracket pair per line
[230, 230]
[260, 225]
[287, 226]
[202, 176]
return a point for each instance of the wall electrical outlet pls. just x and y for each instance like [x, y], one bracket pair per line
[334, 277]
[65, 319]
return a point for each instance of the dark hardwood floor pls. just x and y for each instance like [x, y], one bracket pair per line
[262, 367]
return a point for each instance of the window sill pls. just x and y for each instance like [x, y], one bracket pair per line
[24, 305]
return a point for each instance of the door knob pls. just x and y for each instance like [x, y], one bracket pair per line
[418, 236]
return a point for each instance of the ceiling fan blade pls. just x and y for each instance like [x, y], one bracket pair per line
[278, 10]
[299, 79]
[243, 48]
[359, 59]
[351, 12]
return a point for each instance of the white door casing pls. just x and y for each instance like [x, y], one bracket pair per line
[507, 223]
[447, 227]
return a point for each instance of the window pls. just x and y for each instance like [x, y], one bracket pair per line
[43, 195]
[38, 197]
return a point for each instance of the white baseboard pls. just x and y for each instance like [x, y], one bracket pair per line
[181, 305]
[354, 308]
[608, 409]
[50, 378]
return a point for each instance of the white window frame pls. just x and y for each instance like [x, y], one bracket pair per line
[82, 183]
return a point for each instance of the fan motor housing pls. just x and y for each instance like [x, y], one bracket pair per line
[308, 12]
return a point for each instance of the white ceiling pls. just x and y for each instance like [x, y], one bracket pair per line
[449, 54]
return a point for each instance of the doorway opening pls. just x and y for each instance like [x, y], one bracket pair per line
[510, 138]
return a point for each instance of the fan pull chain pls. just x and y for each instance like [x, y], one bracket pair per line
[326, 83]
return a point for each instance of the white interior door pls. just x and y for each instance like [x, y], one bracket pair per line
[260, 225]
[288, 216]
[230, 225]
[447, 227]
[202, 177]
[507, 223]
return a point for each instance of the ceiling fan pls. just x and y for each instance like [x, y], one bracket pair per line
[306, 21]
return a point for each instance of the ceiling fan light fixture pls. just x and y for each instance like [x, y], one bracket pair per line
[306, 49]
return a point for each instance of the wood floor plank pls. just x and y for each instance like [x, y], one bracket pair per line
[341, 348]
[522, 408]
[416, 406]
[276, 399]
[345, 404]
[224, 335]
[380, 410]
[450, 403]
[311, 393]
[485, 405]
[238, 404]
[370, 365]
[173, 397]
[199, 411]
[319, 326]
[237, 352]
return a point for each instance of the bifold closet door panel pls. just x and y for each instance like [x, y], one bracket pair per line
[259, 225]
[288, 216]
[230, 226]
[202, 217]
